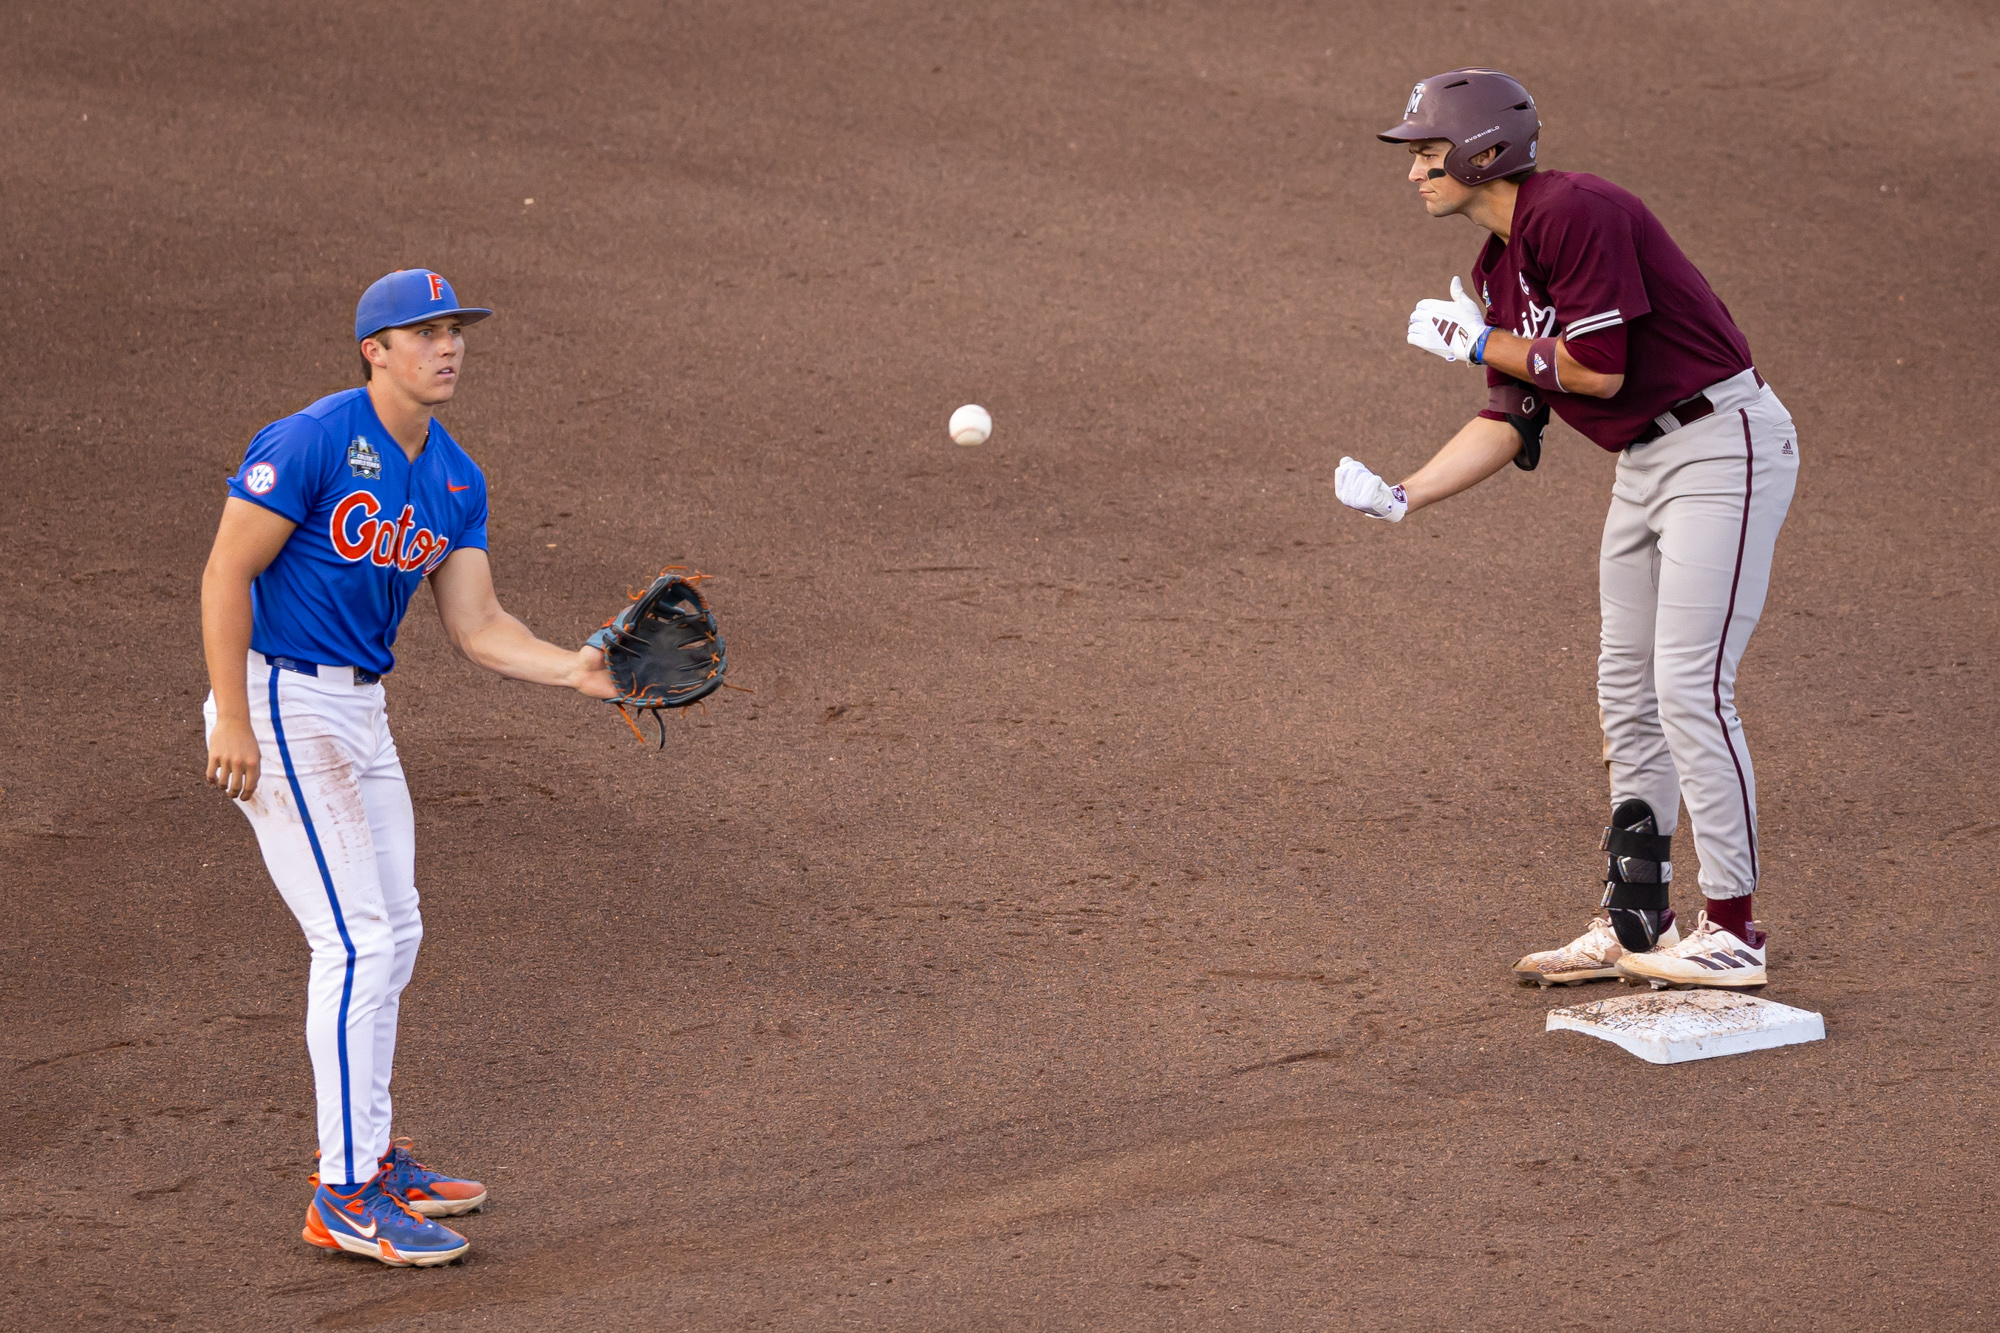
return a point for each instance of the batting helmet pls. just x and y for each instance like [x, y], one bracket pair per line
[1474, 110]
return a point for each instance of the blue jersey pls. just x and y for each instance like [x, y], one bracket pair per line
[372, 524]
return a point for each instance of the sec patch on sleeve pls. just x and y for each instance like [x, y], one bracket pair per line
[260, 479]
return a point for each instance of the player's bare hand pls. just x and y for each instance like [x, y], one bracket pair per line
[592, 679]
[1358, 488]
[1448, 328]
[234, 761]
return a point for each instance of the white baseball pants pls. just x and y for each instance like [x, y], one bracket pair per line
[1682, 575]
[332, 815]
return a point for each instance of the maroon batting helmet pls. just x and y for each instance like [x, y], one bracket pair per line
[1473, 109]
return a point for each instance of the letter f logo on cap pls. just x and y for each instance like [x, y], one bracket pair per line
[409, 296]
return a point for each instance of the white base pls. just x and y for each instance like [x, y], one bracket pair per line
[1667, 1027]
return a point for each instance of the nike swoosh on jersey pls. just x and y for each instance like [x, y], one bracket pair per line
[448, 486]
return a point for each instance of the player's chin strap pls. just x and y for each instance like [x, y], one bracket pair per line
[1637, 876]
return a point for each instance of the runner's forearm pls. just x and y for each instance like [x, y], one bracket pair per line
[1479, 450]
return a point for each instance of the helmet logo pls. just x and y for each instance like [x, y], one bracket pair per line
[1531, 152]
[1416, 100]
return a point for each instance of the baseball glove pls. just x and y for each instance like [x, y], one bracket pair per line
[663, 651]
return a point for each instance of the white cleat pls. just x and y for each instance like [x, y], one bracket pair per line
[1591, 956]
[1711, 956]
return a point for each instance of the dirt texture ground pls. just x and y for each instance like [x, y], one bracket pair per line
[1099, 915]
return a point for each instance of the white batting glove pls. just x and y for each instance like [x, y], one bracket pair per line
[1358, 488]
[1448, 328]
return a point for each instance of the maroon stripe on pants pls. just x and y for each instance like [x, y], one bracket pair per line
[1722, 647]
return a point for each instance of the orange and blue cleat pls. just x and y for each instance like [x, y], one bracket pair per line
[432, 1193]
[369, 1221]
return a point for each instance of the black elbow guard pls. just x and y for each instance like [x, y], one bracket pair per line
[1527, 411]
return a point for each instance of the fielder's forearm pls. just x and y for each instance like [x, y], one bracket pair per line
[1508, 353]
[506, 647]
[225, 638]
[486, 635]
[1478, 451]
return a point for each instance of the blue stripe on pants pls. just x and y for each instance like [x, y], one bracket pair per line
[333, 900]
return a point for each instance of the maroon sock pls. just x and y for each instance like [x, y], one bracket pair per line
[1732, 914]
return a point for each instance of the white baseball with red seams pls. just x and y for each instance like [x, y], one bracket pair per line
[970, 425]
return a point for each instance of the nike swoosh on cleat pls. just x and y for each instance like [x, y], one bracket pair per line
[366, 1233]
[448, 486]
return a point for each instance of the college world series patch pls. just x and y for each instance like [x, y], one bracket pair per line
[362, 460]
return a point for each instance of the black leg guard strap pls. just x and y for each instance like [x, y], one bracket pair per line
[1622, 842]
[1637, 876]
[1637, 897]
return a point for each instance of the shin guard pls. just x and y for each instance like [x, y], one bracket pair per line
[1637, 875]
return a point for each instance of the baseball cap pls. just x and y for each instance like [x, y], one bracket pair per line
[409, 296]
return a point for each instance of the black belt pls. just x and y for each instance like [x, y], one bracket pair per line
[313, 668]
[1684, 413]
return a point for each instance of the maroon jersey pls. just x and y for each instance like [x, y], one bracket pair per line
[1589, 262]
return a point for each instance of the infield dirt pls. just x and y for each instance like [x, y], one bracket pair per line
[1099, 916]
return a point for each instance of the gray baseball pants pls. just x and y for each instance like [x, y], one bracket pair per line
[1682, 574]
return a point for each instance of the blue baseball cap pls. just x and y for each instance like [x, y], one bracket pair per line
[409, 296]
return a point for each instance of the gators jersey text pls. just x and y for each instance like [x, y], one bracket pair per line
[371, 526]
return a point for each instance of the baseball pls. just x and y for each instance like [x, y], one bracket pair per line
[970, 425]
